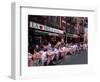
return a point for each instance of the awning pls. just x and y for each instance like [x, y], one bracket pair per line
[53, 34]
[45, 28]
[37, 32]
[69, 35]
[72, 35]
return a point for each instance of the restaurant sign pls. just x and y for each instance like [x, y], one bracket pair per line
[44, 27]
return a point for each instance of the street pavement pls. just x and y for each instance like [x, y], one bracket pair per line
[78, 58]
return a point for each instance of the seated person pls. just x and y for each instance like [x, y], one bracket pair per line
[62, 50]
[36, 57]
[43, 56]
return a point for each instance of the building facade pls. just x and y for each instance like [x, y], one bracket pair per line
[43, 29]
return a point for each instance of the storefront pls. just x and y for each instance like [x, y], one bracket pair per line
[41, 34]
[72, 38]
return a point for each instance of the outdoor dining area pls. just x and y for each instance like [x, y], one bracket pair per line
[49, 54]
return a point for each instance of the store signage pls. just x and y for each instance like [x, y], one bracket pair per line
[44, 27]
[37, 26]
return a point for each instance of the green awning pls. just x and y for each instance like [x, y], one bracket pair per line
[69, 35]
[40, 32]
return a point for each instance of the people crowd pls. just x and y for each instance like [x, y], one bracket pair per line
[49, 54]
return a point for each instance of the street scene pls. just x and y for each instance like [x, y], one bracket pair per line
[57, 40]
